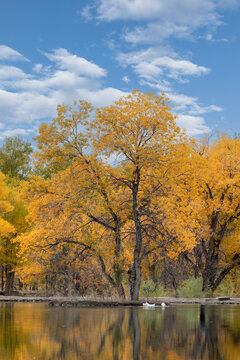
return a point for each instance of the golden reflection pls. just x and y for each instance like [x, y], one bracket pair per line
[36, 331]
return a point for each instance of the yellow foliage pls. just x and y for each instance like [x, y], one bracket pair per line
[129, 184]
[5, 227]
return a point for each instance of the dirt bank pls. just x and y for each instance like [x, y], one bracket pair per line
[80, 301]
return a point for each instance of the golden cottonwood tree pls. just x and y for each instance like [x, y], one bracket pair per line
[64, 144]
[12, 224]
[109, 199]
[7, 231]
[5, 227]
[10, 249]
[127, 185]
[61, 209]
[141, 130]
[206, 200]
[15, 164]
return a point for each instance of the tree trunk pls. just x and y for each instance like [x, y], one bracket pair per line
[9, 281]
[205, 281]
[2, 278]
[120, 291]
[208, 275]
[138, 237]
[117, 266]
[117, 285]
[219, 277]
[137, 280]
[210, 269]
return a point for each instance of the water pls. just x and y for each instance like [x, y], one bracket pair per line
[36, 331]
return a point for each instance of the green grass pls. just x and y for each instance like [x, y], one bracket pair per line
[192, 288]
[151, 289]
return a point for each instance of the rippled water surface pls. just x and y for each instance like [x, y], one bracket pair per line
[36, 331]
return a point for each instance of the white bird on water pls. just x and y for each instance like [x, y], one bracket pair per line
[148, 305]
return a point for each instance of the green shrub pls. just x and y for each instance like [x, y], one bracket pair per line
[151, 289]
[226, 288]
[191, 288]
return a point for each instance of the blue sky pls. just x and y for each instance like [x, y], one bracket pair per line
[54, 52]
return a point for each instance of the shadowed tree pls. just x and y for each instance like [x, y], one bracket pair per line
[15, 158]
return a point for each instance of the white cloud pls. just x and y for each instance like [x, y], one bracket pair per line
[126, 9]
[163, 18]
[38, 68]
[209, 37]
[145, 55]
[198, 12]
[173, 68]
[152, 23]
[27, 99]
[160, 85]
[74, 63]
[11, 72]
[212, 38]
[183, 103]
[195, 125]
[188, 110]
[101, 97]
[156, 32]
[159, 68]
[7, 53]
[180, 11]
[126, 79]
[158, 64]
[14, 132]
[86, 12]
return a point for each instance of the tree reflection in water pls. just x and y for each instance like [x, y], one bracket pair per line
[35, 331]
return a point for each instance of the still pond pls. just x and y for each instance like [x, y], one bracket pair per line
[37, 331]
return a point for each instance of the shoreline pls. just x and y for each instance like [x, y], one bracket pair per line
[112, 302]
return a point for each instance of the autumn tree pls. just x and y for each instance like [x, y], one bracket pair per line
[61, 230]
[63, 145]
[15, 163]
[111, 162]
[7, 230]
[141, 131]
[207, 202]
[5, 227]
[126, 186]
[10, 258]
